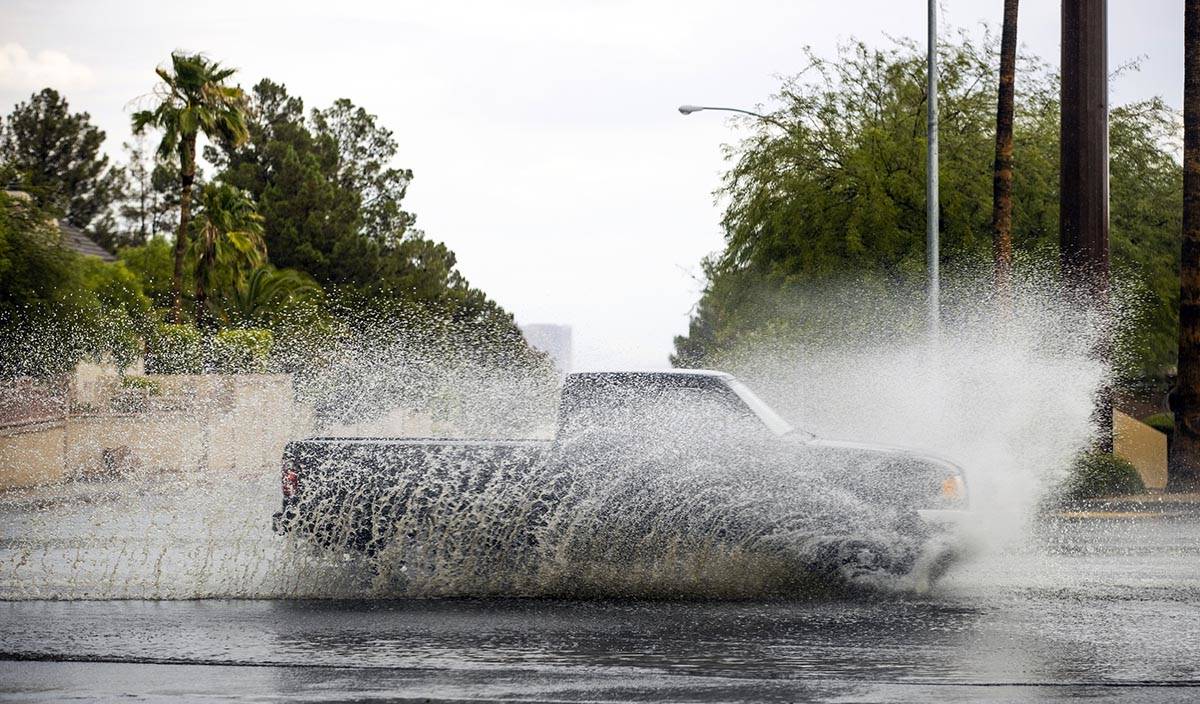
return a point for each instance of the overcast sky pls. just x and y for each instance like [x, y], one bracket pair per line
[543, 135]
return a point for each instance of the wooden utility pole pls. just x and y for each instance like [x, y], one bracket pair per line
[1083, 204]
[1002, 176]
[1184, 470]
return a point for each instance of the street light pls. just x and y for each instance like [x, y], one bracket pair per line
[931, 171]
[689, 109]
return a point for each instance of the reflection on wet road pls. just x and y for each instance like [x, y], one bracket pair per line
[1099, 609]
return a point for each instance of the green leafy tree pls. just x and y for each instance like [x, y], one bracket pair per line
[365, 152]
[256, 298]
[331, 206]
[838, 194]
[56, 156]
[192, 98]
[153, 263]
[151, 195]
[137, 210]
[227, 239]
[56, 306]
[311, 222]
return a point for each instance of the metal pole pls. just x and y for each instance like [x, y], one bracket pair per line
[931, 175]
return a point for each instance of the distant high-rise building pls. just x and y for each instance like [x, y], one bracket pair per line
[553, 339]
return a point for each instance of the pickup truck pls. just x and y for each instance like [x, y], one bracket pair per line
[366, 494]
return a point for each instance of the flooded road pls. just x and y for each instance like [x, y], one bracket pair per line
[1096, 609]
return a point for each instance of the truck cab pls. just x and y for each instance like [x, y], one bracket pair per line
[628, 400]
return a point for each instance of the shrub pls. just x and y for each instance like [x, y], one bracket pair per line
[154, 265]
[57, 307]
[241, 351]
[1162, 422]
[174, 349]
[1097, 474]
[141, 383]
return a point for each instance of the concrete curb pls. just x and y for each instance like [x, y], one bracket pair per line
[1134, 507]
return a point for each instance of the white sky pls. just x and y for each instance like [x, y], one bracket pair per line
[544, 138]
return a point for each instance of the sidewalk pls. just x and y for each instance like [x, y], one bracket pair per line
[48, 496]
[1135, 506]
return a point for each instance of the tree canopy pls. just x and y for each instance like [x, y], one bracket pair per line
[331, 201]
[301, 230]
[193, 99]
[833, 188]
[56, 157]
[152, 194]
[57, 306]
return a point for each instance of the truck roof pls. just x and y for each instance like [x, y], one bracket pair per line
[654, 372]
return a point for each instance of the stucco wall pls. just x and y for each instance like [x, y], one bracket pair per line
[32, 455]
[211, 423]
[1143, 447]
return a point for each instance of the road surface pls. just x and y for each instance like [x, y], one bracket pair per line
[1092, 609]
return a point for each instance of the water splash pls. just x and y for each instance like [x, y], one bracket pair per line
[1008, 397]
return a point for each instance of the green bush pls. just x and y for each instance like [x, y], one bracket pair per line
[1162, 422]
[57, 307]
[142, 383]
[241, 351]
[154, 265]
[1097, 474]
[125, 315]
[174, 349]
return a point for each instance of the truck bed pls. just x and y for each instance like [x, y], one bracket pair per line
[349, 492]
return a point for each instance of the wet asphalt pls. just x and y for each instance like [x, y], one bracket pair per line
[1095, 609]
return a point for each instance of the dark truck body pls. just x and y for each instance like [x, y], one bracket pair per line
[345, 492]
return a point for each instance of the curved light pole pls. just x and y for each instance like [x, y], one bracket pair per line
[931, 162]
[689, 109]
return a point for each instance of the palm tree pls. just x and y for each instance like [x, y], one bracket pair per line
[1002, 176]
[1185, 443]
[193, 98]
[251, 298]
[227, 239]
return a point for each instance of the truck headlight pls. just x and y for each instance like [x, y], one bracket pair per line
[954, 488]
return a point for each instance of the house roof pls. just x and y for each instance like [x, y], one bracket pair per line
[70, 236]
[77, 240]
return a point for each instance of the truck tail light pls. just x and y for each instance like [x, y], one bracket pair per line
[290, 482]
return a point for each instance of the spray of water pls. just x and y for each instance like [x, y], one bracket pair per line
[1007, 396]
[1007, 393]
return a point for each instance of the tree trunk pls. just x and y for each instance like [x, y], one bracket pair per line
[142, 196]
[187, 176]
[1083, 180]
[1003, 174]
[1185, 445]
[200, 273]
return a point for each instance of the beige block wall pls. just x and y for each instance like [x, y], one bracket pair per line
[93, 383]
[233, 424]
[157, 442]
[398, 423]
[1143, 447]
[256, 418]
[32, 455]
